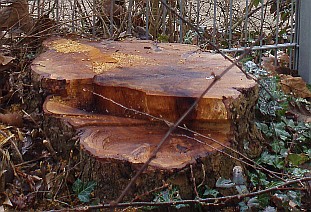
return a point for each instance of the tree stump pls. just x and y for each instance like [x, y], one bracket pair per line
[98, 89]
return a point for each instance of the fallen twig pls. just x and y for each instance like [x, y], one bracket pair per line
[208, 202]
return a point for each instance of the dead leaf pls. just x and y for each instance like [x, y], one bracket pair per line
[292, 204]
[2, 179]
[300, 112]
[4, 60]
[13, 119]
[283, 59]
[268, 64]
[7, 201]
[50, 179]
[295, 86]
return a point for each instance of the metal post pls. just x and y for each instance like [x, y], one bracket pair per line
[277, 31]
[74, 8]
[214, 21]
[296, 34]
[164, 18]
[38, 9]
[261, 30]
[93, 18]
[198, 13]
[230, 23]
[129, 18]
[246, 22]
[111, 17]
[292, 12]
[63, 9]
[147, 17]
[304, 30]
[57, 13]
[180, 21]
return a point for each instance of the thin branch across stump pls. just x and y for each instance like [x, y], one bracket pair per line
[121, 96]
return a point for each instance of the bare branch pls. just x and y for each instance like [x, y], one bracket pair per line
[208, 202]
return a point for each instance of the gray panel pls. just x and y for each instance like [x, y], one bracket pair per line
[304, 65]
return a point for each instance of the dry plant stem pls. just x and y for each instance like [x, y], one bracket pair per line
[61, 175]
[36, 123]
[49, 147]
[10, 138]
[65, 175]
[9, 161]
[117, 34]
[32, 161]
[5, 140]
[176, 124]
[293, 189]
[203, 172]
[38, 34]
[230, 156]
[217, 201]
[249, 15]
[165, 185]
[194, 184]
[197, 31]
[258, 166]
[294, 139]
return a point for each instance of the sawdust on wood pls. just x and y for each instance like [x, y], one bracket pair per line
[101, 62]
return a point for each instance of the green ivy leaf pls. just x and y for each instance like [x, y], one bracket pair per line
[308, 152]
[210, 192]
[243, 207]
[273, 160]
[281, 132]
[298, 172]
[270, 209]
[224, 183]
[256, 3]
[83, 190]
[278, 146]
[263, 199]
[298, 159]
[278, 163]
[84, 195]
[295, 196]
[77, 186]
[284, 152]
[264, 129]
[169, 195]
[274, 183]
[253, 203]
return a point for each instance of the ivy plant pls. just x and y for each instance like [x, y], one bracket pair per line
[287, 140]
[83, 190]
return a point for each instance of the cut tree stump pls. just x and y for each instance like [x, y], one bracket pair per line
[97, 89]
